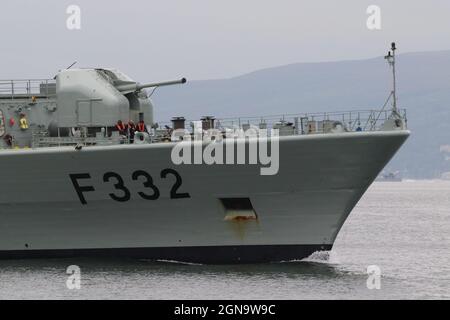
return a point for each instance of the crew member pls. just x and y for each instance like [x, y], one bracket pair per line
[121, 127]
[141, 127]
[131, 128]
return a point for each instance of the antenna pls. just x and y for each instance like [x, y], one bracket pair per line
[391, 60]
[54, 78]
[71, 65]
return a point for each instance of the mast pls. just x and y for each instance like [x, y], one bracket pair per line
[391, 60]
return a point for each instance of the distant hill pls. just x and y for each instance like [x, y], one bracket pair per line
[423, 88]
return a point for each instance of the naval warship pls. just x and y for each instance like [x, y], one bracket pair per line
[389, 176]
[75, 182]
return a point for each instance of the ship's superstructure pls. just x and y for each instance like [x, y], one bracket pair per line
[79, 179]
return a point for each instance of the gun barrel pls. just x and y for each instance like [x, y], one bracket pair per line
[160, 84]
[130, 87]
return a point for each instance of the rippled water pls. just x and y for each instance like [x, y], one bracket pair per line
[402, 227]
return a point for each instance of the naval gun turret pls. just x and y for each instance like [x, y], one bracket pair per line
[100, 97]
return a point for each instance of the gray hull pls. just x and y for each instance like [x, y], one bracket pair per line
[300, 210]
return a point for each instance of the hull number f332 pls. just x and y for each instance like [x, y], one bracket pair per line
[122, 193]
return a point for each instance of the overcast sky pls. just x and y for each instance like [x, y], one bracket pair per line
[204, 39]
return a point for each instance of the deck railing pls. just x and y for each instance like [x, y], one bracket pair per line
[287, 124]
[307, 123]
[27, 87]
